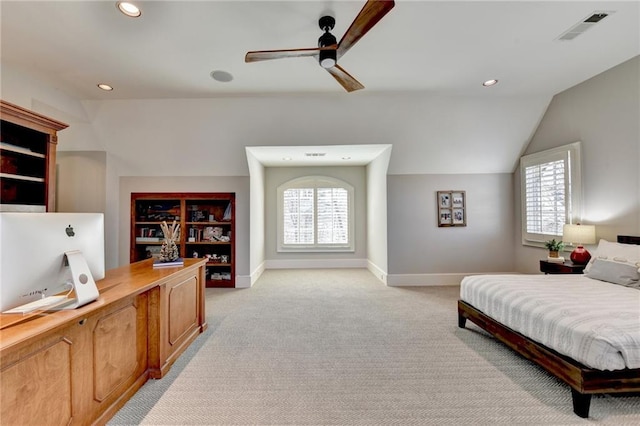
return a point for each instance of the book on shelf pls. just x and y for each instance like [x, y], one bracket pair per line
[158, 264]
[148, 239]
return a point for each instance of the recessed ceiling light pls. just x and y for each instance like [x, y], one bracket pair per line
[346, 158]
[105, 87]
[490, 83]
[221, 76]
[129, 9]
[287, 158]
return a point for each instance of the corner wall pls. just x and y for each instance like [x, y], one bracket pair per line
[602, 112]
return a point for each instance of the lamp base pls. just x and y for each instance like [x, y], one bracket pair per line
[580, 256]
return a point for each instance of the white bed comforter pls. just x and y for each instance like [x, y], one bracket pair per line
[591, 321]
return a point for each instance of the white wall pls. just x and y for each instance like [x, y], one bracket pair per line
[377, 238]
[447, 137]
[602, 112]
[256, 218]
[430, 134]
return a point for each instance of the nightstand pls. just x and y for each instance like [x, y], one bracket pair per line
[567, 267]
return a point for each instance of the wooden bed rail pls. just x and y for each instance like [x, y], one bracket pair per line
[583, 381]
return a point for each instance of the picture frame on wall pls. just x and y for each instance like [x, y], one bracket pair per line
[452, 209]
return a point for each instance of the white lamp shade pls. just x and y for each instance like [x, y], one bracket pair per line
[579, 234]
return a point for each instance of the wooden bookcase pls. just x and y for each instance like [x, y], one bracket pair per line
[207, 229]
[27, 159]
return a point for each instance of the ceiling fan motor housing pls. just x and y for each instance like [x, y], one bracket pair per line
[327, 23]
[327, 58]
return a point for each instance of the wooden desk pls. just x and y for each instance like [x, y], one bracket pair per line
[80, 366]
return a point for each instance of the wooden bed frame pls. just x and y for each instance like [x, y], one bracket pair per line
[584, 381]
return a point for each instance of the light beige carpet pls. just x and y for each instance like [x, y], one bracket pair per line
[337, 347]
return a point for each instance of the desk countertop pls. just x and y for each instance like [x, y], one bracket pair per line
[132, 279]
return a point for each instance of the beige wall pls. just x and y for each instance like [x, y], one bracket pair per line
[81, 181]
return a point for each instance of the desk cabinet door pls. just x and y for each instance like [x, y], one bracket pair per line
[76, 374]
[179, 303]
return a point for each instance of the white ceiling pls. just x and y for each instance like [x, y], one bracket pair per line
[437, 48]
[325, 155]
[446, 47]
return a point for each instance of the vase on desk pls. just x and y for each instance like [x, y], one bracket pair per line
[169, 250]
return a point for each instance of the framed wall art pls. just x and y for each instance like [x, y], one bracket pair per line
[452, 208]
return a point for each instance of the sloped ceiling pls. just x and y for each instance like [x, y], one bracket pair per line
[422, 67]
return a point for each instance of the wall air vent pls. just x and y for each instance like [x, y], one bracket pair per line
[315, 154]
[584, 25]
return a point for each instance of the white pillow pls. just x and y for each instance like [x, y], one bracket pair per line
[614, 272]
[622, 253]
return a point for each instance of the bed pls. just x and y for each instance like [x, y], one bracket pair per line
[583, 329]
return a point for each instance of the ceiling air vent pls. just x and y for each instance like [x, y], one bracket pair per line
[583, 25]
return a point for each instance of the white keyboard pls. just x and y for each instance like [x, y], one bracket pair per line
[39, 305]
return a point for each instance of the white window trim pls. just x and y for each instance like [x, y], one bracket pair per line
[315, 182]
[573, 179]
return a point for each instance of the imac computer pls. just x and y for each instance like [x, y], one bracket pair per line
[47, 254]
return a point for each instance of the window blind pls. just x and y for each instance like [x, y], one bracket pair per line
[306, 207]
[298, 211]
[333, 216]
[545, 198]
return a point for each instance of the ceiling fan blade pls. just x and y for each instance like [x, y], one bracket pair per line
[345, 79]
[265, 55]
[371, 13]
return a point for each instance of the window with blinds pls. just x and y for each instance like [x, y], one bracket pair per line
[315, 214]
[550, 184]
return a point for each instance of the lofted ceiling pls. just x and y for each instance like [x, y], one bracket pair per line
[446, 47]
[440, 51]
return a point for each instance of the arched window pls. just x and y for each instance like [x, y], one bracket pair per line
[315, 213]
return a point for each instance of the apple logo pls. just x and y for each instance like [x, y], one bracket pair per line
[69, 231]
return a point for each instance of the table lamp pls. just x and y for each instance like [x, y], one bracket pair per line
[579, 234]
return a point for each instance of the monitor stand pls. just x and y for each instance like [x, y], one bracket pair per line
[84, 286]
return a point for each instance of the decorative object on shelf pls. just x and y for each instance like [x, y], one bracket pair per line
[579, 234]
[227, 213]
[169, 251]
[452, 209]
[554, 248]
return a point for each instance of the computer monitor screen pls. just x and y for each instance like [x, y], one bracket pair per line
[32, 253]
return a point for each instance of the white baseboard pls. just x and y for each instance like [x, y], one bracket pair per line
[415, 280]
[315, 263]
[392, 280]
[377, 272]
[247, 281]
[243, 281]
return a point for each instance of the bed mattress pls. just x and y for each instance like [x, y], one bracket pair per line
[594, 322]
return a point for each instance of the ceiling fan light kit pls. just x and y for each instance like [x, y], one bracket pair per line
[328, 58]
[328, 50]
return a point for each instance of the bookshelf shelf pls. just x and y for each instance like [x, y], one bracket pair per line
[28, 159]
[207, 229]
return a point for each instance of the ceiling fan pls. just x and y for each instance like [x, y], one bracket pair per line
[329, 51]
